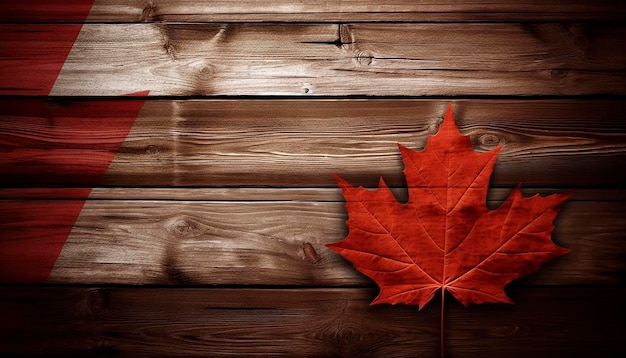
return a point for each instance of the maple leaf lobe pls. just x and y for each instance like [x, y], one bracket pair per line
[444, 237]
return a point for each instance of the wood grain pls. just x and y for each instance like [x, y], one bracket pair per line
[213, 143]
[312, 11]
[205, 236]
[270, 243]
[155, 322]
[336, 59]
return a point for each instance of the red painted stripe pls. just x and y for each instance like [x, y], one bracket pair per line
[31, 56]
[44, 10]
[33, 234]
[82, 138]
[51, 144]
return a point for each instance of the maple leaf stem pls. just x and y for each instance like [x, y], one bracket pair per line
[443, 291]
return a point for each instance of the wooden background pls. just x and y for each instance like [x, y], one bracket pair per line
[191, 218]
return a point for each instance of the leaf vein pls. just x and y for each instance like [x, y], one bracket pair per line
[396, 241]
[504, 243]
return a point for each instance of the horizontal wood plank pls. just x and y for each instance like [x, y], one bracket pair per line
[310, 11]
[216, 143]
[264, 243]
[327, 59]
[155, 322]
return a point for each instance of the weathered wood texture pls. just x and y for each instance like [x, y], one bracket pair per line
[118, 216]
[156, 322]
[325, 59]
[198, 242]
[218, 143]
[311, 11]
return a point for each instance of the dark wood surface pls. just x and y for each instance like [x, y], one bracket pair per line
[317, 322]
[191, 218]
[311, 11]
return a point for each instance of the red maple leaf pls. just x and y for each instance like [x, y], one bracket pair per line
[445, 238]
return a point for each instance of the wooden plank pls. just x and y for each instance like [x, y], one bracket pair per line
[334, 59]
[155, 322]
[196, 242]
[311, 11]
[216, 143]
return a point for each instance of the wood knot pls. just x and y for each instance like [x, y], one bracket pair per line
[148, 12]
[307, 88]
[206, 71]
[183, 227]
[92, 303]
[310, 253]
[170, 49]
[559, 73]
[489, 140]
[203, 69]
[152, 149]
[364, 58]
[186, 227]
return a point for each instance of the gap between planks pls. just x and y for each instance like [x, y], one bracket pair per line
[313, 11]
[273, 194]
